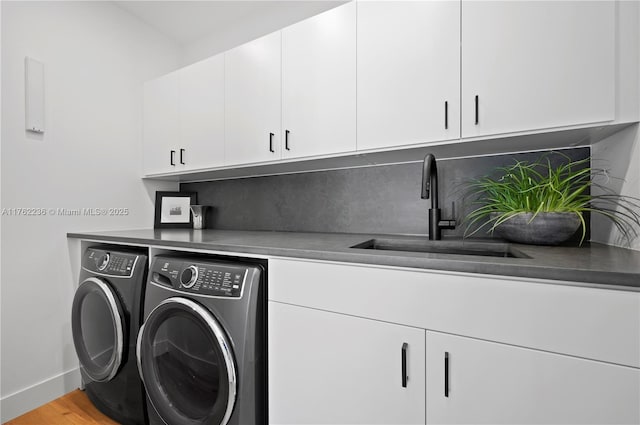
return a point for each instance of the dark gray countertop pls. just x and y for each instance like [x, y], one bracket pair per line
[593, 265]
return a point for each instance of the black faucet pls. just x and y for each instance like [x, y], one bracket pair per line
[430, 190]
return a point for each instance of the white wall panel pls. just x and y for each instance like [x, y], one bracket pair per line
[96, 57]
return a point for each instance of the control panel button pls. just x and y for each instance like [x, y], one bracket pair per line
[102, 261]
[189, 276]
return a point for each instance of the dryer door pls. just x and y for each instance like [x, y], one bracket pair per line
[99, 327]
[187, 365]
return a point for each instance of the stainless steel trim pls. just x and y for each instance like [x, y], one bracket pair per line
[138, 344]
[223, 342]
[133, 267]
[113, 307]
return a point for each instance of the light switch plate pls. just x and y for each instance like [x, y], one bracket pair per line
[34, 95]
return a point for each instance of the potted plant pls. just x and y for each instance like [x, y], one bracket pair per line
[537, 203]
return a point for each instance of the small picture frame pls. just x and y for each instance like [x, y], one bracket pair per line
[173, 210]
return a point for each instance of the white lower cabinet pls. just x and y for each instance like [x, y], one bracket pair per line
[518, 351]
[501, 384]
[328, 368]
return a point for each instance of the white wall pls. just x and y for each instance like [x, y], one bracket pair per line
[96, 56]
[0, 209]
[620, 153]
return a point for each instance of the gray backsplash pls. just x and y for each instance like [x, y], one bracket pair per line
[380, 199]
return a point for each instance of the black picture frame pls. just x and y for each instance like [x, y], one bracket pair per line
[176, 204]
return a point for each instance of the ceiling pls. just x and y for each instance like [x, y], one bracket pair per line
[189, 21]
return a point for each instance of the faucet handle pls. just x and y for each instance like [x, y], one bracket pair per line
[447, 224]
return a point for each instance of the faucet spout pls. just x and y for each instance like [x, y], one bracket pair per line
[430, 180]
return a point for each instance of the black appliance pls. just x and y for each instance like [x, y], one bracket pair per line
[106, 316]
[201, 351]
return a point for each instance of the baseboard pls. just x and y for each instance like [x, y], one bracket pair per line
[22, 401]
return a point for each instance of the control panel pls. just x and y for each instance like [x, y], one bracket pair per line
[203, 278]
[104, 262]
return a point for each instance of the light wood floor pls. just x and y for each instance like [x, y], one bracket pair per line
[71, 409]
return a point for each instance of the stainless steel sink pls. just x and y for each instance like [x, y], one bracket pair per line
[454, 247]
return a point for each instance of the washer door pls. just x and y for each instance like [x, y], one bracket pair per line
[98, 326]
[187, 365]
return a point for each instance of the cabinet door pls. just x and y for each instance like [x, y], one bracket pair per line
[252, 101]
[328, 368]
[536, 65]
[202, 114]
[161, 126]
[408, 72]
[502, 384]
[319, 84]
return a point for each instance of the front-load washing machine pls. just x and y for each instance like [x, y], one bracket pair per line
[106, 316]
[201, 351]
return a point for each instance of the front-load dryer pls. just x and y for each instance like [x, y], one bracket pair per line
[106, 316]
[201, 350]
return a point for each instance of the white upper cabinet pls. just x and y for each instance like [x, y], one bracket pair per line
[183, 127]
[378, 75]
[202, 114]
[408, 72]
[161, 126]
[319, 84]
[327, 368]
[530, 65]
[253, 101]
[480, 382]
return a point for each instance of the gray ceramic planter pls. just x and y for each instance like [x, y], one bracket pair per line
[549, 228]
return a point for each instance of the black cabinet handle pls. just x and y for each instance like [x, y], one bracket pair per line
[286, 140]
[271, 142]
[446, 374]
[446, 115]
[404, 364]
[171, 157]
[181, 154]
[477, 115]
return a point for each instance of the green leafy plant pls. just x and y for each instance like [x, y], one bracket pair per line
[536, 187]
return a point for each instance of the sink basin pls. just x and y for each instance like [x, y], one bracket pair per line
[456, 247]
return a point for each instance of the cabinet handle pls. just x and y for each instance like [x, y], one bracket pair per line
[181, 153]
[404, 364]
[446, 374]
[477, 115]
[446, 115]
[286, 140]
[171, 157]
[271, 142]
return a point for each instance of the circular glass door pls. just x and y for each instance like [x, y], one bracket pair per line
[97, 323]
[186, 363]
